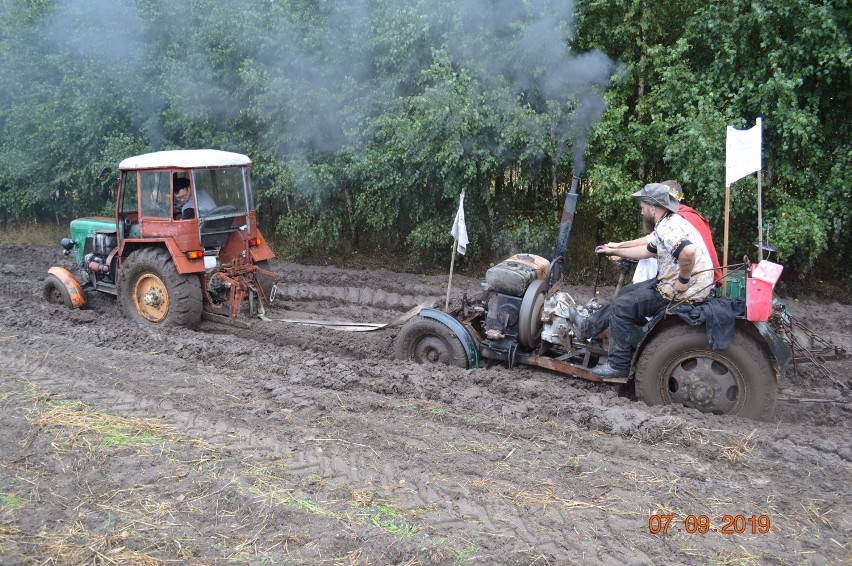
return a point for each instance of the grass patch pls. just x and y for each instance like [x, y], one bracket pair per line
[10, 500]
[739, 449]
[35, 234]
[76, 419]
[126, 436]
[465, 554]
[381, 514]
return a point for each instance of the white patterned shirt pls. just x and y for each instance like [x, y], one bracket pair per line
[669, 234]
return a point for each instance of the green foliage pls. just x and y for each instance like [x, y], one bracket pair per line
[804, 234]
[730, 62]
[427, 243]
[366, 120]
[526, 235]
[306, 238]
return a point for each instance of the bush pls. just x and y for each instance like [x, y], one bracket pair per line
[302, 237]
[526, 235]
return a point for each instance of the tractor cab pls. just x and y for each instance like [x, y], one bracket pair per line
[197, 198]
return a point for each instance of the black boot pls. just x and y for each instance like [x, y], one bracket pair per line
[579, 323]
[606, 371]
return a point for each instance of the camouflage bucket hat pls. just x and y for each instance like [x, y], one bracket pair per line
[658, 195]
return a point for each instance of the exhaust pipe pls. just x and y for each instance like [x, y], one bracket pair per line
[567, 221]
[557, 266]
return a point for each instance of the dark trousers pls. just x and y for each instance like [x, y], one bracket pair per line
[632, 304]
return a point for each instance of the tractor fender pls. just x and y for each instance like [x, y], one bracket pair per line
[75, 290]
[774, 346]
[779, 351]
[459, 330]
[182, 263]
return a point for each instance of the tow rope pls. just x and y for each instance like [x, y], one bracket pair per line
[348, 326]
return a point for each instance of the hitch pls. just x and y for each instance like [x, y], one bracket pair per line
[240, 279]
[808, 347]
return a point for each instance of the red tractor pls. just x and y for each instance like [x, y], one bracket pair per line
[184, 243]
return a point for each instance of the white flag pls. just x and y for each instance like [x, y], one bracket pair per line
[459, 230]
[743, 154]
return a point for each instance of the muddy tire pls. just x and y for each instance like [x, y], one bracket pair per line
[427, 341]
[54, 292]
[678, 367]
[151, 291]
[264, 281]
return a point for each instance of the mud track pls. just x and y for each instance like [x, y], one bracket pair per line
[286, 444]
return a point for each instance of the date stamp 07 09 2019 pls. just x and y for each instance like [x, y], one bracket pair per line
[700, 524]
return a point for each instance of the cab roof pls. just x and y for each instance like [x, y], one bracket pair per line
[185, 159]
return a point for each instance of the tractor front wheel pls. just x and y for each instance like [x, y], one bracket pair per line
[678, 367]
[427, 341]
[55, 292]
[151, 291]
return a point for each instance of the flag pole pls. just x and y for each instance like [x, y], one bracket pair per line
[759, 218]
[742, 157]
[459, 233]
[725, 250]
[450, 281]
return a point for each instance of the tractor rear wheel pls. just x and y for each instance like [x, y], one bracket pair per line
[427, 341]
[678, 367]
[151, 291]
[55, 292]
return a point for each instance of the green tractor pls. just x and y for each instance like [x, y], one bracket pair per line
[184, 243]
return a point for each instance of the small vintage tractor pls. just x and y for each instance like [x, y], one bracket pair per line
[522, 318]
[166, 263]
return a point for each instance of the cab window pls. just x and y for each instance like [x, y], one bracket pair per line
[128, 193]
[225, 186]
[156, 194]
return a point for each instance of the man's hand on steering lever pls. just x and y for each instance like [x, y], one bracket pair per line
[635, 252]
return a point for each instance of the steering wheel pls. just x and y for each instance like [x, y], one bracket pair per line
[224, 209]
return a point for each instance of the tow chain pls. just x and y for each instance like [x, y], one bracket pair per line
[346, 326]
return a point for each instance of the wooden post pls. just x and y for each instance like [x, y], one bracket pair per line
[759, 218]
[725, 250]
[450, 282]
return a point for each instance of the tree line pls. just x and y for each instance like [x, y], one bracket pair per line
[365, 119]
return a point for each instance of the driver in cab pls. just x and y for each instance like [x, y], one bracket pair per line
[183, 199]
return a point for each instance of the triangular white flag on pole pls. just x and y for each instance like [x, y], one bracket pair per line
[459, 230]
[743, 152]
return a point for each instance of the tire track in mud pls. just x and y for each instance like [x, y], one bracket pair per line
[347, 451]
[444, 498]
[365, 296]
[523, 464]
[337, 461]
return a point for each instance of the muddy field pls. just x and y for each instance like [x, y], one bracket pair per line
[286, 444]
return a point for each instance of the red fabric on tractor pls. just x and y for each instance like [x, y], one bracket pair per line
[703, 226]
